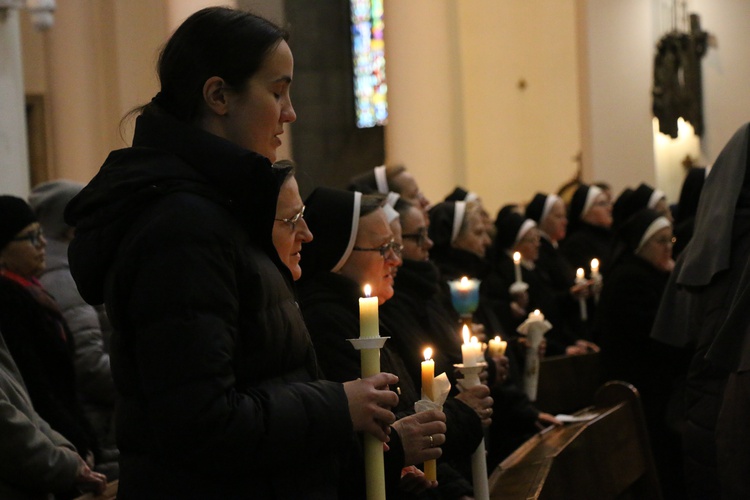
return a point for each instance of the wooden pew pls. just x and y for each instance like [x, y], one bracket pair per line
[567, 383]
[608, 457]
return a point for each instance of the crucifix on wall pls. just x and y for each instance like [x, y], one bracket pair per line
[677, 90]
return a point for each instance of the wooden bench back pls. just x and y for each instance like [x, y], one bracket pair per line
[608, 457]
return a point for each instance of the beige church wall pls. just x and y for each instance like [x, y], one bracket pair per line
[726, 71]
[457, 114]
[425, 127]
[620, 38]
[520, 97]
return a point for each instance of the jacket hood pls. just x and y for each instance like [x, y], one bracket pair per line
[168, 156]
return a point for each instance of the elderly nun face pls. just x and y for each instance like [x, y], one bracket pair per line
[473, 235]
[528, 245]
[555, 224]
[373, 258]
[24, 254]
[407, 187]
[600, 213]
[657, 251]
[290, 230]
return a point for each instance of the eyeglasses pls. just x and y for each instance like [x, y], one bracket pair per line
[420, 237]
[666, 241]
[391, 246]
[34, 237]
[294, 219]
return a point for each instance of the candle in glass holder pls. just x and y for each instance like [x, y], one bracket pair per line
[517, 265]
[465, 295]
[497, 347]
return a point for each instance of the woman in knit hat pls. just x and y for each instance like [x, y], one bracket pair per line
[88, 325]
[627, 310]
[33, 327]
[354, 246]
[589, 223]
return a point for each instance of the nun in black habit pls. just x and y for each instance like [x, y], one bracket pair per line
[629, 302]
[589, 223]
[706, 308]
[354, 245]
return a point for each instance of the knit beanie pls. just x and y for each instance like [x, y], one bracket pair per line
[48, 200]
[15, 214]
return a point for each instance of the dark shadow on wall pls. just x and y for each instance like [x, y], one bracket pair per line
[327, 145]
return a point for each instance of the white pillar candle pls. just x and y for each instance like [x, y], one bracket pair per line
[517, 264]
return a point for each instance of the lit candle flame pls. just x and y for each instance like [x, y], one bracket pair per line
[368, 290]
[594, 265]
[428, 354]
[474, 340]
[537, 312]
[465, 334]
[497, 338]
[516, 257]
[579, 273]
[464, 281]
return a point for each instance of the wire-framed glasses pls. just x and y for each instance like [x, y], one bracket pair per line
[391, 246]
[295, 218]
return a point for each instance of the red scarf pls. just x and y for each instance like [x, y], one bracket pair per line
[37, 291]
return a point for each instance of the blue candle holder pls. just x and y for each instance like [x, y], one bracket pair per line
[465, 295]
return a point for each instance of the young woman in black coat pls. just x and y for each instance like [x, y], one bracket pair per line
[219, 392]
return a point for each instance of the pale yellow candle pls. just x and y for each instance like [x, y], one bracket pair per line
[594, 267]
[370, 361]
[368, 315]
[428, 374]
[517, 264]
[471, 349]
[497, 347]
[428, 377]
[580, 280]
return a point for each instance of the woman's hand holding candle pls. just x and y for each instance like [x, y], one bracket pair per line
[478, 399]
[369, 403]
[415, 431]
